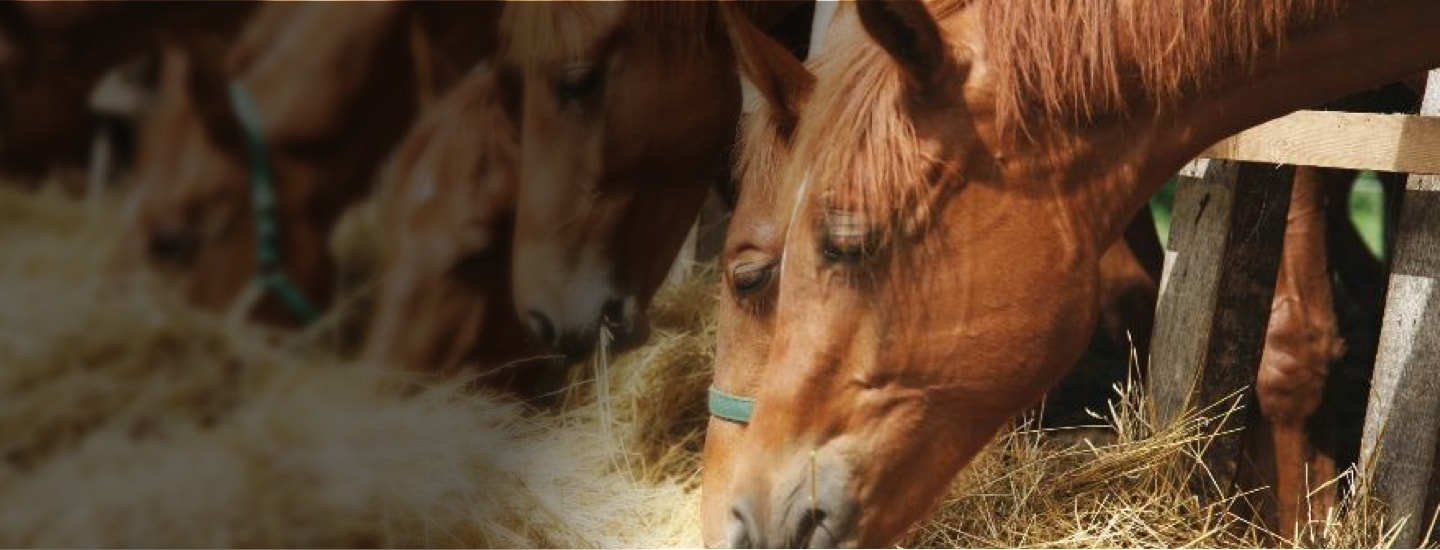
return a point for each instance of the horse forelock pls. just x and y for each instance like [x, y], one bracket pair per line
[857, 140]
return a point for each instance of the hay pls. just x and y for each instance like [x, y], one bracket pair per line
[132, 420]
[1028, 490]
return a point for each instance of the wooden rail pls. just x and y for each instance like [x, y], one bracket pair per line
[1358, 141]
[1220, 268]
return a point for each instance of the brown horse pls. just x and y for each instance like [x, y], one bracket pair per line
[52, 54]
[248, 165]
[754, 243]
[964, 165]
[628, 110]
[448, 205]
[750, 258]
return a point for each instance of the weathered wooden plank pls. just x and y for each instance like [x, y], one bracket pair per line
[1402, 424]
[1221, 261]
[1359, 141]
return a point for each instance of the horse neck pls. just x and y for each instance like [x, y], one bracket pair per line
[1368, 44]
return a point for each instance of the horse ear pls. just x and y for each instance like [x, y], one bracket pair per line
[907, 31]
[780, 78]
[201, 78]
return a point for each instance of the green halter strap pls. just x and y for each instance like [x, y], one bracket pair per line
[731, 407]
[270, 272]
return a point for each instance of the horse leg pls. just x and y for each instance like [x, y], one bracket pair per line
[1301, 342]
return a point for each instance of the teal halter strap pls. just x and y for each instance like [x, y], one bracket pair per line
[270, 272]
[731, 407]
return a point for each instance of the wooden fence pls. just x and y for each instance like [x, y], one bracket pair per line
[1220, 269]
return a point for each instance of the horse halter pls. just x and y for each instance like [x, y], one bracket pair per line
[728, 406]
[270, 275]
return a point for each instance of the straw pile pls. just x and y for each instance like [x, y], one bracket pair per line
[131, 420]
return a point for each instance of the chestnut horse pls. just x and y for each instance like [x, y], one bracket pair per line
[245, 169]
[627, 113]
[447, 202]
[52, 54]
[754, 243]
[750, 257]
[963, 166]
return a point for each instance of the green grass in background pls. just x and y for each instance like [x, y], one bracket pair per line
[1367, 206]
[1367, 211]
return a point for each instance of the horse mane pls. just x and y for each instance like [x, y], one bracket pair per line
[855, 138]
[532, 32]
[1063, 61]
[762, 148]
[1078, 60]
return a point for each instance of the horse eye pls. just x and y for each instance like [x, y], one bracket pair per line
[748, 278]
[847, 238]
[579, 82]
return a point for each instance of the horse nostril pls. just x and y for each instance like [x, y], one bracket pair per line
[741, 531]
[174, 246]
[542, 328]
[803, 536]
[612, 312]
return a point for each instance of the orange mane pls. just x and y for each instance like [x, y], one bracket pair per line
[1080, 59]
[1065, 61]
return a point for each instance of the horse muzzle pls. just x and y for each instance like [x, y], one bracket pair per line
[813, 506]
[576, 330]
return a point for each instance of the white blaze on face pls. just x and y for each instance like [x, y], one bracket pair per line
[794, 216]
[819, 24]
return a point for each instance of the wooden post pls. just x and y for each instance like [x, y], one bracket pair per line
[1402, 423]
[1220, 267]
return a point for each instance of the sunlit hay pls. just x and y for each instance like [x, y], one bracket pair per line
[132, 420]
[1358, 521]
[664, 398]
[1026, 490]
[657, 391]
